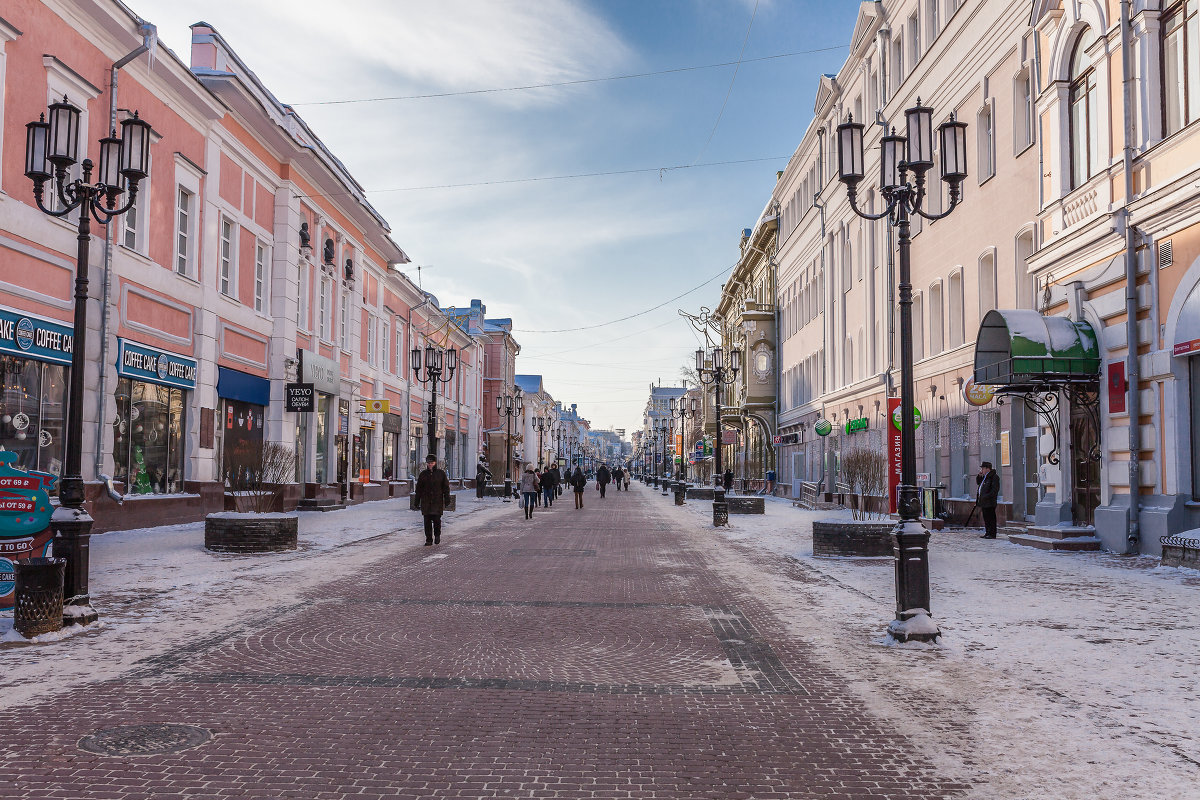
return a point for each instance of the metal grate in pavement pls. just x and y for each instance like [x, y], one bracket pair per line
[144, 740]
[551, 551]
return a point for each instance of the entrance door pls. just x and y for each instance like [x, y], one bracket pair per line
[342, 443]
[1085, 465]
[1033, 459]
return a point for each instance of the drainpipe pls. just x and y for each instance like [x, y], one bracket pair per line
[1133, 534]
[149, 41]
[820, 205]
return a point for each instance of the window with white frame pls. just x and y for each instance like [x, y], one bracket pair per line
[933, 23]
[937, 319]
[985, 142]
[987, 283]
[62, 81]
[918, 326]
[344, 322]
[914, 41]
[897, 61]
[1181, 65]
[957, 302]
[384, 354]
[372, 351]
[325, 309]
[227, 255]
[1022, 111]
[1084, 122]
[399, 347]
[302, 320]
[260, 276]
[133, 227]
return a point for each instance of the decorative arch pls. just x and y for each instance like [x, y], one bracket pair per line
[1091, 14]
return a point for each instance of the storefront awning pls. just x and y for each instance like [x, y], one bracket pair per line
[1022, 349]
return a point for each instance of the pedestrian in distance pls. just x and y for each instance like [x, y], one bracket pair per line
[549, 485]
[529, 490]
[603, 476]
[727, 480]
[579, 484]
[626, 476]
[617, 477]
[989, 494]
[540, 472]
[433, 495]
[482, 476]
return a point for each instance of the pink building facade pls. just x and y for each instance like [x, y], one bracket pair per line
[252, 260]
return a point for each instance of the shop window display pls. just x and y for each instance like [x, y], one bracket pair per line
[242, 440]
[147, 437]
[33, 398]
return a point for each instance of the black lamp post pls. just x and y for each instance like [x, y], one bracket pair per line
[52, 148]
[437, 362]
[540, 424]
[900, 155]
[509, 405]
[683, 409]
[713, 369]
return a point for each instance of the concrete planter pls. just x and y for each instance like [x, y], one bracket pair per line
[699, 493]
[745, 505]
[862, 538]
[250, 533]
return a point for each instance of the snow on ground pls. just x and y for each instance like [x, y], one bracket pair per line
[1059, 676]
[156, 588]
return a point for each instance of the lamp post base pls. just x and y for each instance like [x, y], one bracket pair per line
[918, 626]
[910, 548]
[507, 490]
[72, 534]
[720, 509]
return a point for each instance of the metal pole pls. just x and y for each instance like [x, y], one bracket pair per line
[433, 382]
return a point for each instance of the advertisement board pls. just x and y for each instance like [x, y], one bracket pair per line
[893, 455]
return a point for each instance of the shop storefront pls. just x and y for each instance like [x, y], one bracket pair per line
[325, 375]
[153, 393]
[35, 358]
[244, 400]
[392, 454]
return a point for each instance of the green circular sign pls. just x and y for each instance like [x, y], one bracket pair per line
[823, 427]
[916, 418]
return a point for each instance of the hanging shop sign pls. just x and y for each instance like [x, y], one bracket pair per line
[377, 407]
[976, 394]
[916, 418]
[155, 366]
[787, 438]
[823, 427]
[299, 397]
[323, 373]
[894, 450]
[729, 437]
[856, 425]
[33, 337]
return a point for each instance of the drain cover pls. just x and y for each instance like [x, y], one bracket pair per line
[144, 740]
[550, 551]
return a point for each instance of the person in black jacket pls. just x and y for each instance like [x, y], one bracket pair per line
[549, 485]
[989, 494]
[482, 476]
[433, 495]
[617, 477]
[603, 476]
[579, 484]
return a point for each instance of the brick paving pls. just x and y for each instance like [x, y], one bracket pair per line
[583, 654]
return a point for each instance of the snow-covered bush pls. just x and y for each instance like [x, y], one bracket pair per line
[866, 473]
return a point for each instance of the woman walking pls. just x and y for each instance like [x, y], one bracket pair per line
[579, 484]
[529, 490]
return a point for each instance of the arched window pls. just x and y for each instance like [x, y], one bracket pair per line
[957, 302]
[1085, 126]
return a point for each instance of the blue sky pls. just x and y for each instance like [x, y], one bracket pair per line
[552, 254]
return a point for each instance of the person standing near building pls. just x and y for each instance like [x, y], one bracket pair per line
[989, 494]
[482, 476]
[579, 484]
[727, 480]
[529, 490]
[432, 496]
[549, 485]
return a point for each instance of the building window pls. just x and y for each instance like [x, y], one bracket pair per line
[1084, 125]
[985, 142]
[932, 22]
[957, 302]
[33, 397]
[302, 320]
[914, 36]
[371, 349]
[184, 227]
[937, 320]
[147, 437]
[918, 327]
[325, 310]
[227, 255]
[1022, 111]
[260, 276]
[1181, 65]
[384, 353]
[344, 322]
[987, 284]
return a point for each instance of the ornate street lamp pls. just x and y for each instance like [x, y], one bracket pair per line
[720, 369]
[437, 362]
[51, 149]
[900, 155]
[509, 405]
[683, 409]
[540, 424]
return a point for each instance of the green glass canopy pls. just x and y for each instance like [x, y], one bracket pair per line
[1022, 348]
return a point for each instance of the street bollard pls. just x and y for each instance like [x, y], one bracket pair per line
[680, 492]
[39, 596]
[720, 509]
[665, 485]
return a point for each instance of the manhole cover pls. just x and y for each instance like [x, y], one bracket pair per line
[550, 551]
[144, 740]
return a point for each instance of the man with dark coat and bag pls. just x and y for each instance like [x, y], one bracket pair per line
[482, 476]
[989, 493]
[433, 495]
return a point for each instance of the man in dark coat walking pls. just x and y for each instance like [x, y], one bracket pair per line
[482, 476]
[989, 493]
[433, 495]
[617, 476]
[727, 480]
[603, 476]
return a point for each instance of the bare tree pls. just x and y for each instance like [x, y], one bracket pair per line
[866, 473]
[257, 475]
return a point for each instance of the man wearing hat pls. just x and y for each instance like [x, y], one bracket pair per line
[433, 495]
[989, 493]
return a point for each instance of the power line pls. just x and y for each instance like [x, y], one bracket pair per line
[575, 82]
[633, 316]
[729, 91]
[660, 170]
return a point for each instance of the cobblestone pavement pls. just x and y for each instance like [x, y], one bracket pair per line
[583, 654]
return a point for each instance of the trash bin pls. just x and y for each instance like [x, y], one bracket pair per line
[39, 596]
[680, 491]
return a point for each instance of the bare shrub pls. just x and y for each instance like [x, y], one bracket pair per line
[257, 475]
[866, 473]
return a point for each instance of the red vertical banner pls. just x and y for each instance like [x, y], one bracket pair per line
[893, 452]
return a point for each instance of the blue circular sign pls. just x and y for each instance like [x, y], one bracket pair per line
[24, 333]
[162, 367]
[8, 578]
